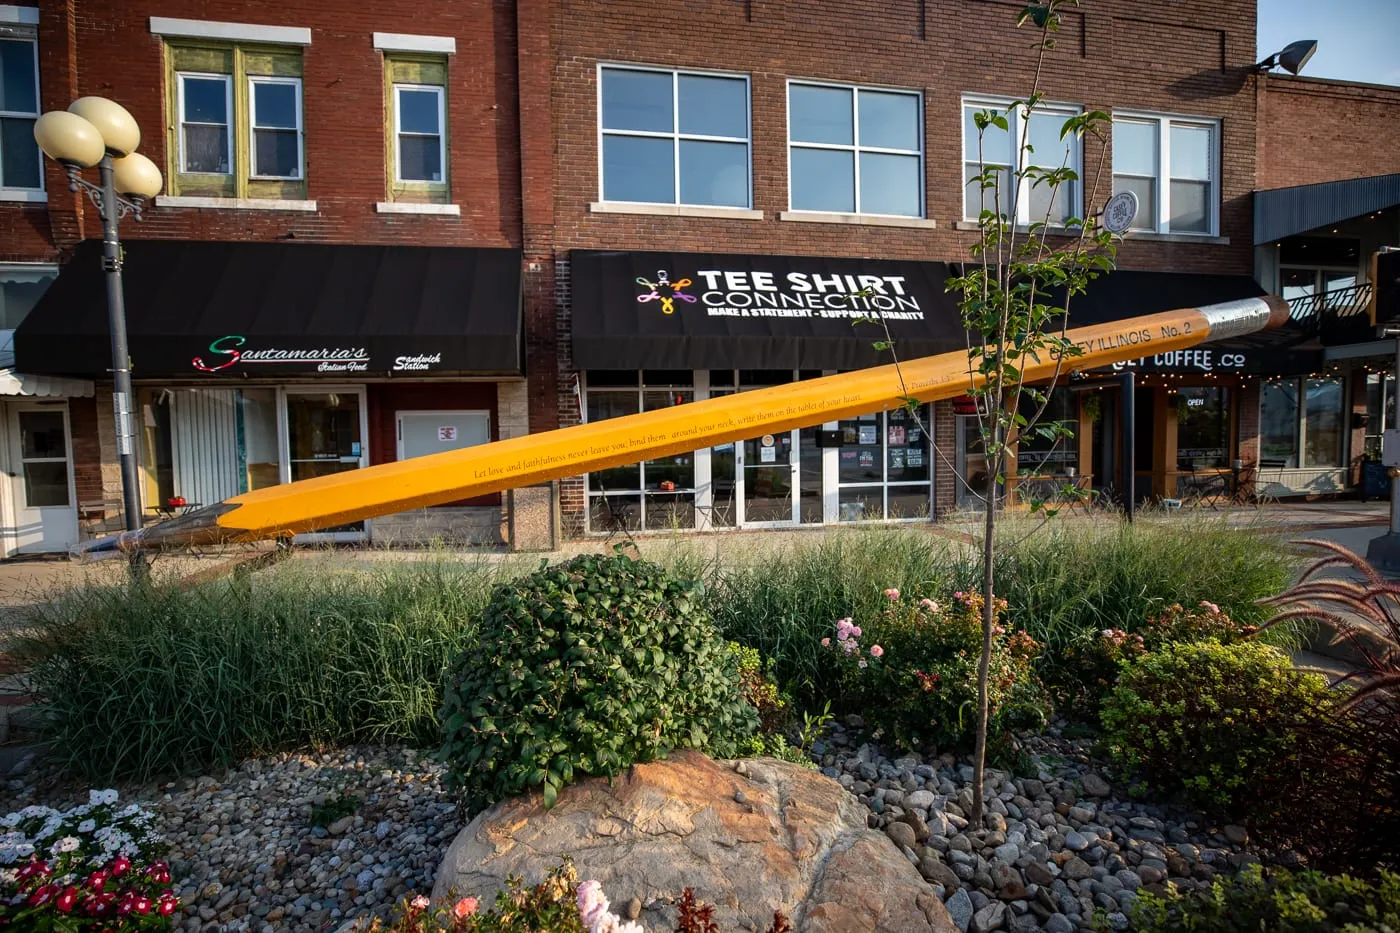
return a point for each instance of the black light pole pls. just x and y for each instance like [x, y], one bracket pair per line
[1126, 415]
[95, 131]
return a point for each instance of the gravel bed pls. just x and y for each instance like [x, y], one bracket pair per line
[246, 856]
[1056, 849]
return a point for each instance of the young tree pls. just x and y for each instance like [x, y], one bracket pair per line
[1015, 298]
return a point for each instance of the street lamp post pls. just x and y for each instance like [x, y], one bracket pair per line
[95, 131]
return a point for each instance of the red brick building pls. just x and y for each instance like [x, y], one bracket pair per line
[609, 143]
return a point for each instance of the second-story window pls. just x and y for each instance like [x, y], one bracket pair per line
[1171, 164]
[206, 137]
[1026, 201]
[674, 137]
[275, 116]
[21, 170]
[417, 137]
[236, 130]
[855, 150]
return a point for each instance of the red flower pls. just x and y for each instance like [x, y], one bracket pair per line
[166, 903]
[120, 866]
[35, 867]
[97, 880]
[143, 904]
[159, 872]
[43, 895]
[67, 899]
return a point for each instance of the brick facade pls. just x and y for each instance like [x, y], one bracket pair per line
[1354, 124]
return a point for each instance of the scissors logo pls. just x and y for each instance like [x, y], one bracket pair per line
[673, 290]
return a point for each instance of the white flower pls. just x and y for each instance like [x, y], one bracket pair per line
[66, 844]
[49, 828]
[87, 826]
[130, 809]
[32, 812]
[10, 820]
[8, 876]
[7, 856]
[24, 851]
[102, 797]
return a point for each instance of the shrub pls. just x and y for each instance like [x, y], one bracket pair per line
[1087, 670]
[89, 868]
[1308, 902]
[140, 681]
[585, 668]
[911, 669]
[1211, 721]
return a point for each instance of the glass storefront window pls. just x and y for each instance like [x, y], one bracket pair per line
[1380, 411]
[1322, 424]
[883, 456]
[1301, 422]
[657, 494]
[1056, 454]
[1202, 428]
[1278, 422]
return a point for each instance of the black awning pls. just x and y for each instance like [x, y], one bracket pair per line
[283, 309]
[653, 310]
[1293, 348]
[1283, 212]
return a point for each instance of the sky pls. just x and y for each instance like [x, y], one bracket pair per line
[1357, 40]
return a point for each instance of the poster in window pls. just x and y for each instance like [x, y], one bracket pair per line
[914, 457]
[914, 435]
[870, 434]
[848, 456]
[896, 458]
[897, 434]
[867, 458]
[447, 432]
[767, 455]
[849, 434]
[898, 414]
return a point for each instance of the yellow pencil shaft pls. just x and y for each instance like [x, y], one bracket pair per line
[523, 461]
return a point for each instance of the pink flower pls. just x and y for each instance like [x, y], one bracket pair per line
[876, 651]
[892, 593]
[826, 642]
[855, 630]
[465, 908]
[929, 604]
[849, 647]
[1212, 607]
[419, 903]
[862, 663]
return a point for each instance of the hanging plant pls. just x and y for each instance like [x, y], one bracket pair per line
[1091, 405]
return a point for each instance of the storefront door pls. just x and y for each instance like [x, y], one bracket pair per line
[44, 503]
[769, 466]
[324, 434]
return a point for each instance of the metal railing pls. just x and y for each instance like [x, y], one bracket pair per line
[1339, 304]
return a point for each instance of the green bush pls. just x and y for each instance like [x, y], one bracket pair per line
[1211, 721]
[911, 670]
[162, 678]
[1087, 670]
[1280, 902]
[585, 668]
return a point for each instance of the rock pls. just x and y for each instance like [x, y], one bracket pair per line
[959, 908]
[1037, 873]
[800, 845]
[916, 823]
[938, 873]
[1237, 835]
[634, 908]
[902, 834]
[1075, 842]
[1094, 785]
[1075, 869]
[1059, 923]
[339, 827]
[920, 800]
[1009, 852]
[988, 918]
[938, 824]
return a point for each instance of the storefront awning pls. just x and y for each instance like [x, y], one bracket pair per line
[26, 384]
[661, 310]
[273, 310]
[1283, 212]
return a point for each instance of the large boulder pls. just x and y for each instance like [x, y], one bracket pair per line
[750, 837]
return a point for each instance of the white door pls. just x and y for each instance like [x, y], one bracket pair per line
[770, 479]
[433, 432]
[41, 478]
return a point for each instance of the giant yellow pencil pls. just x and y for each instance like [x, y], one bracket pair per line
[438, 479]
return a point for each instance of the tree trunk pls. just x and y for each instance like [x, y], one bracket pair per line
[979, 759]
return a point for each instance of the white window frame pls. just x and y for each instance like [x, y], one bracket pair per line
[676, 136]
[16, 193]
[399, 133]
[295, 83]
[1162, 182]
[855, 146]
[1017, 118]
[181, 122]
